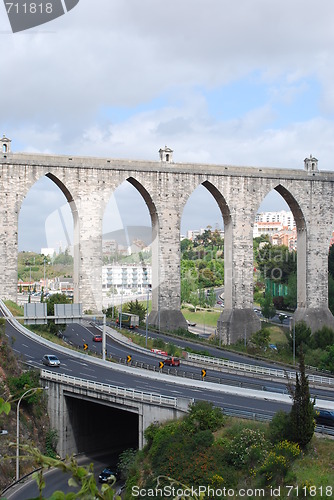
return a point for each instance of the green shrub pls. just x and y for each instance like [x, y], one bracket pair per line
[158, 343]
[150, 433]
[51, 440]
[18, 385]
[203, 439]
[202, 416]
[247, 447]
[274, 468]
[322, 338]
[126, 461]
[290, 451]
[279, 427]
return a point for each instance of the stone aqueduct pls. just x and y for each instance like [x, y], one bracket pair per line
[88, 183]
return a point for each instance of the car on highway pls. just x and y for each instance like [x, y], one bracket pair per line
[324, 417]
[172, 361]
[108, 474]
[50, 360]
[97, 338]
[159, 351]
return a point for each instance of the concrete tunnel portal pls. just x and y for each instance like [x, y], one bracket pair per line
[95, 426]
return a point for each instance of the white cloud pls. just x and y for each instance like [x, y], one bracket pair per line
[133, 76]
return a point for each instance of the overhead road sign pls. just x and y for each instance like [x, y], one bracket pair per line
[35, 313]
[67, 313]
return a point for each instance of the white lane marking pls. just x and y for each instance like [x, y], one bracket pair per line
[79, 362]
[93, 376]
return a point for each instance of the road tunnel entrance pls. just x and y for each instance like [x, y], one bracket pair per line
[94, 426]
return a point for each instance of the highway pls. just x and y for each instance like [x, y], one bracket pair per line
[32, 351]
[79, 335]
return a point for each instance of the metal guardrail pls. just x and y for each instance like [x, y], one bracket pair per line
[261, 417]
[261, 370]
[134, 394]
[322, 429]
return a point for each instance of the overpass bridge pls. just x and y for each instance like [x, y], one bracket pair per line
[92, 415]
[165, 186]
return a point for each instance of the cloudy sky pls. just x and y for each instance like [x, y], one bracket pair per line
[219, 81]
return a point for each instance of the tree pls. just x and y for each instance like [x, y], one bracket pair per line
[187, 287]
[194, 300]
[267, 306]
[302, 421]
[261, 338]
[276, 262]
[204, 416]
[135, 307]
[322, 338]
[56, 298]
[331, 293]
[331, 261]
[291, 299]
[302, 334]
[202, 297]
[211, 297]
[327, 360]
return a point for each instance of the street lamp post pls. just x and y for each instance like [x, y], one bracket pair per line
[34, 389]
[293, 329]
[294, 341]
[147, 315]
[220, 329]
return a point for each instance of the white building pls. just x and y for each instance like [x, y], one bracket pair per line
[283, 217]
[125, 278]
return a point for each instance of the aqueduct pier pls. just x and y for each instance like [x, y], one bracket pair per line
[165, 186]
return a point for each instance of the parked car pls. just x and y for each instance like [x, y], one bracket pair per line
[107, 473]
[324, 417]
[97, 338]
[172, 361]
[190, 324]
[50, 360]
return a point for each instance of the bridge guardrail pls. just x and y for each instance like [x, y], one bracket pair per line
[261, 370]
[134, 394]
[160, 399]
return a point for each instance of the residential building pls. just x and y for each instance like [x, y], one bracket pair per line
[122, 278]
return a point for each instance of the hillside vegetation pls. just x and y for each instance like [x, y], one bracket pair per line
[230, 456]
[34, 421]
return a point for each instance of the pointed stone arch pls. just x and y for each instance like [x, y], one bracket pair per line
[76, 233]
[301, 243]
[155, 239]
[228, 241]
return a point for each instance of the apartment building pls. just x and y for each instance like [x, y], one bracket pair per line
[123, 278]
[283, 217]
